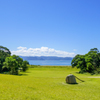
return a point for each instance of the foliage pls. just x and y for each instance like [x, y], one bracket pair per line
[13, 63]
[18, 59]
[89, 62]
[4, 52]
[24, 65]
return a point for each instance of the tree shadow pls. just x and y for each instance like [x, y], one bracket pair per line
[22, 75]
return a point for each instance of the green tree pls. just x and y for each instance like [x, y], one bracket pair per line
[89, 62]
[11, 64]
[93, 58]
[25, 65]
[21, 64]
[79, 62]
[18, 59]
[4, 52]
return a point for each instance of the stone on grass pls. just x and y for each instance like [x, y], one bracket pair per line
[70, 79]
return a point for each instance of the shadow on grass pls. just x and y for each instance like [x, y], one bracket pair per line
[22, 75]
[72, 83]
[86, 73]
[64, 83]
[14, 75]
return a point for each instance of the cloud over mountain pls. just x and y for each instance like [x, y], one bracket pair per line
[43, 51]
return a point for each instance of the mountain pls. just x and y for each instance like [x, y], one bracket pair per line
[45, 58]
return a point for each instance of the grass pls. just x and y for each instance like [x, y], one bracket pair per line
[48, 83]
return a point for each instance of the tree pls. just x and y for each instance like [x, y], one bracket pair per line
[79, 62]
[4, 52]
[11, 64]
[89, 62]
[18, 59]
[93, 55]
[5, 49]
[21, 64]
[24, 65]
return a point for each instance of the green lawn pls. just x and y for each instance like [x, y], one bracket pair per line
[48, 83]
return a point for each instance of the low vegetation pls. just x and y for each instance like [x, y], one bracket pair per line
[48, 83]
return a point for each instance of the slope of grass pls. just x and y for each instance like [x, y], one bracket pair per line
[48, 83]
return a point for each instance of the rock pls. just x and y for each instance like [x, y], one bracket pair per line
[70, 79]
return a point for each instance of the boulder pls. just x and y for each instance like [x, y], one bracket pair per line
[70, 79]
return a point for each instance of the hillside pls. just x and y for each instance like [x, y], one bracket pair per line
[45, 58]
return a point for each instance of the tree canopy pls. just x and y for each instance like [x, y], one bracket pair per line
[14, 63]
[11, 63]
[4, 52]
[89, 62]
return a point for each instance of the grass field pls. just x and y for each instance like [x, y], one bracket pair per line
[48, 83]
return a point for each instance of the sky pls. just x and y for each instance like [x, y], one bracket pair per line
[50, 27]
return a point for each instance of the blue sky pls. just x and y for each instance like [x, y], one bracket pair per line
[50, 27]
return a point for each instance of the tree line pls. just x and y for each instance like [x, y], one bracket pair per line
[11, 64]
[89, 62]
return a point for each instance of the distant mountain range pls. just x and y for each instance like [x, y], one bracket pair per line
[45, 58]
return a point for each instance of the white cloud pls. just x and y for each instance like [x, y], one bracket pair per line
[43, 51]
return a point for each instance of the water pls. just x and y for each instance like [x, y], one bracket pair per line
[50, 62]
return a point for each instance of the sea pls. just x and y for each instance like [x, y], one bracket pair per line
[50, 62]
